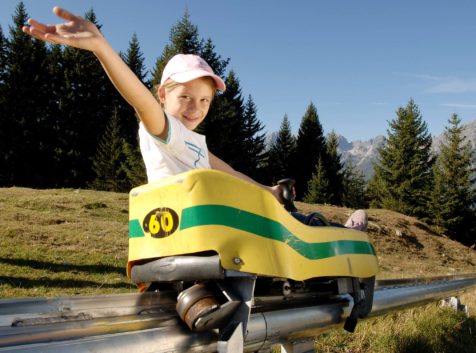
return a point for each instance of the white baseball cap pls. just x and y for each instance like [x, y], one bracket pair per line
[187, 67]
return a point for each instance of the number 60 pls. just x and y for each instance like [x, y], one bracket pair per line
[161, 222]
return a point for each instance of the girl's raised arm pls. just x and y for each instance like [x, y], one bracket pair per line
[80, 33]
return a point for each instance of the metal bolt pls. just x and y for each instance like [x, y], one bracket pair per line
[237, 260]
[286, 288]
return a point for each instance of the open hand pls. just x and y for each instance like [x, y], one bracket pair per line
[76, 32]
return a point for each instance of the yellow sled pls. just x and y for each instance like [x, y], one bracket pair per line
[205, 211]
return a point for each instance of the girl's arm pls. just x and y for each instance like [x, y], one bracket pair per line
[80, 33]
[218, 164]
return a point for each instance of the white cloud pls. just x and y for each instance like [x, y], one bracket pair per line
[419, 76]
[459, 105]
[453, 85]
[444, 84]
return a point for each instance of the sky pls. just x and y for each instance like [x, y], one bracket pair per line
[357, 61]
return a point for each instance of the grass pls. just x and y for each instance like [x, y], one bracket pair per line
[62, 242]
[74, 242]
[426, 329]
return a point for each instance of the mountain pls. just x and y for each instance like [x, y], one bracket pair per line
[270, 139]
[362, 153]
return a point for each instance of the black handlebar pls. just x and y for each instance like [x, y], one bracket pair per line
[288, 194]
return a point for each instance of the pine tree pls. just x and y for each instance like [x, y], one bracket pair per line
[225, 129]
[453, 197]
[280, 154]
[254, 142]
[108, 160]
[438, 203]
[319, 187]
[354, 187]
[127, 116]
[134, 58]
[403, 172]
[3, 56]
[310, 147]
[133, 165]
[184, 39]
[25, 145]
[334, 169]
[54, 132]
[215, 61]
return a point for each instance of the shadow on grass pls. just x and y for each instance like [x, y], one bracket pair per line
[23, 282]
[65, 267]
[426, 228]
[458, 337]
[412, 240]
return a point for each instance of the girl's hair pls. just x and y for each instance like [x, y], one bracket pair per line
[170, 84]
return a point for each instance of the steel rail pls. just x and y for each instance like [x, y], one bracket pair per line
[148, 322]
[394, 282]
[27, 311]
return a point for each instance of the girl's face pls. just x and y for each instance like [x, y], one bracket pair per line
[189, 102]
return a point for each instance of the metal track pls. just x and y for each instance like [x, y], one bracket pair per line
[148, 322]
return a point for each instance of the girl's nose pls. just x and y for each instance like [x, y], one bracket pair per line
[192, 105]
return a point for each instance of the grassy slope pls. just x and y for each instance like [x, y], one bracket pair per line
[405, 246]
[62, 242]
[70, 242]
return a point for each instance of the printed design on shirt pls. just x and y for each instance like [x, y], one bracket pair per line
[197, 150]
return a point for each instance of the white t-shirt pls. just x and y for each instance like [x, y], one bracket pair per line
[183, 150]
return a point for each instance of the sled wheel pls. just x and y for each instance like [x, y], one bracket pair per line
[195, 302]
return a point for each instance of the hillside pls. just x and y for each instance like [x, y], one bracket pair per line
[406, 247]
[67, 242]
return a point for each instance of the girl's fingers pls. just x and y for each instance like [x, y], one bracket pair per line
[36, 33]
[33, 33]
[26, 29]
[64, 14]
[40, 34]
[41, 26]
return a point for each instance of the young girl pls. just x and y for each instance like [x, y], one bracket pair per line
[168, 143]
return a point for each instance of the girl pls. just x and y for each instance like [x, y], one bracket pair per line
[168, 143]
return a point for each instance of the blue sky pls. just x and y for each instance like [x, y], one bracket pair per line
[357, 61]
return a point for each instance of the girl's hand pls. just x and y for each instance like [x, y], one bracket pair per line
[76, 32]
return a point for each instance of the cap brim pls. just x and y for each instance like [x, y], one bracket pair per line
[183, 77]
